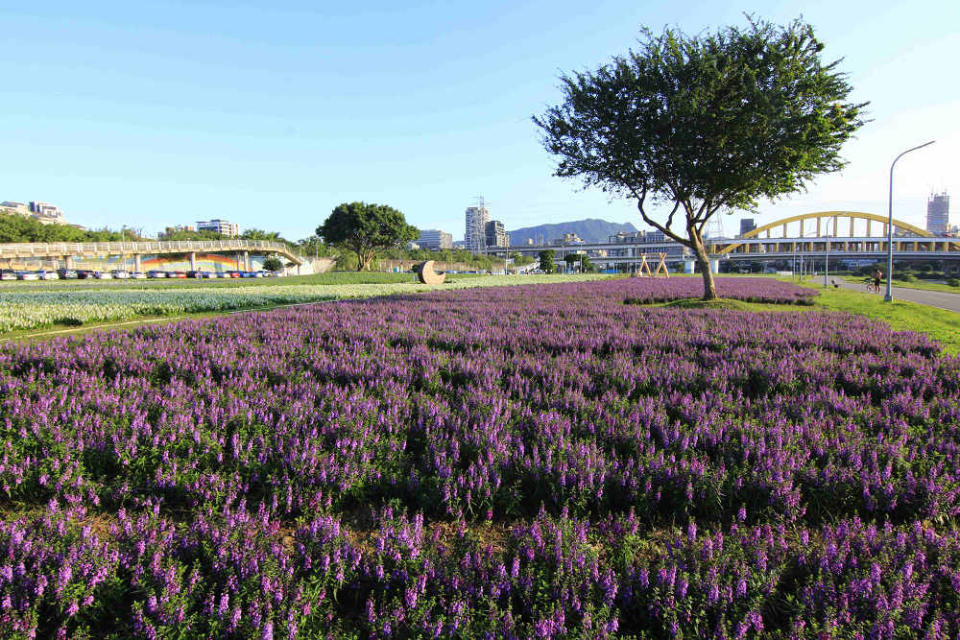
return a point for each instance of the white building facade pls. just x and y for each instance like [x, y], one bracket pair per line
[474, 236]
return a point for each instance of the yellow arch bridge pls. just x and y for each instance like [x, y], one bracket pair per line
[849, 233]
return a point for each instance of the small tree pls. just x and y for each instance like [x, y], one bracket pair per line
[546, 261]
[364, 228]
[704, 124]
[272, 263]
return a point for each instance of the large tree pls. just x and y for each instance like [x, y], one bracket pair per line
[703, 124]
[365, 227]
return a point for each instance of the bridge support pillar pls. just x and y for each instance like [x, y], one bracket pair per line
[193, 261]
[246, 261]
[68, 262]
[688, 266]
[137, 262]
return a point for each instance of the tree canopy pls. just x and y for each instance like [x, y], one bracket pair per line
[18, 228]
[364, 228]
[546, 260]
[704, 124]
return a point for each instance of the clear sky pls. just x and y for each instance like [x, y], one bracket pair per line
[269, 114]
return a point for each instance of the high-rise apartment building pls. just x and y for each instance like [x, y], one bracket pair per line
[223, 227]
[474, 237]
[746, 226]
[435, 239]
[495, 235]
[938, 213]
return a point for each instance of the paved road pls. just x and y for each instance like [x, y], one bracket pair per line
[939, 299]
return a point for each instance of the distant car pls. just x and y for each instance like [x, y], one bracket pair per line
[259, 274]
[248, 274]
[85, 274]
[138, 275]
[67, 274]
[221, 274]
[120, 274]
[28, 275]
[180, 275]
[156, 273]
[49, 275]
[103, 275]
[274, 274]
[8, 275]
[235, 274]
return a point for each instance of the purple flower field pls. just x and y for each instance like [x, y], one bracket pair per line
[516, 462]
[746, 289]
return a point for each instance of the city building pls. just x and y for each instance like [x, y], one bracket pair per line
[42, 212]
[496, 235]
[474, 238]
[223, 227]
[638, 237]
[938, 213]
[569, 238]
[170, 231]
[14, 207]
[746, 226]
[435, 239]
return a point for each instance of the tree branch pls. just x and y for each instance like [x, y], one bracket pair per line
[641, 197]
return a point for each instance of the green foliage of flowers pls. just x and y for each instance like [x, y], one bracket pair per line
[36, 308]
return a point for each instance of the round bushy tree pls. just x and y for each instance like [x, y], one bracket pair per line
[704, 124]
[365, 227]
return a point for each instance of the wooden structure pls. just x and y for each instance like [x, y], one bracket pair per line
[644, 268]
[427, 275]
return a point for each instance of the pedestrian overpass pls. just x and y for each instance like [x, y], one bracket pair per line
[66, 252]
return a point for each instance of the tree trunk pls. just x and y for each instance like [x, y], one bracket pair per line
[709, 286]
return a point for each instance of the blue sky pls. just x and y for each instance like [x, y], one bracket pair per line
[149, 114]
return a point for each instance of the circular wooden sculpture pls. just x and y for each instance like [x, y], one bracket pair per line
[428, 275]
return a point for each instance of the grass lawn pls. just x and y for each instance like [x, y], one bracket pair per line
[939, 324]
[915, 284]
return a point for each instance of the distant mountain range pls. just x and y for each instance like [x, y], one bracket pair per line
[590, 230]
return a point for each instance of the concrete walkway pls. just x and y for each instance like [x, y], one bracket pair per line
[939, 299]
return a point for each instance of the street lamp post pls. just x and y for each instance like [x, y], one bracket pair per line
[889, 296]
[826, 258]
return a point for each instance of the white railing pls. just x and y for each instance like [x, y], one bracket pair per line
[56, 249]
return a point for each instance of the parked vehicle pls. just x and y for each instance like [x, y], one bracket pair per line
[156, 274]
[120, 274]
[67, 274]
[221, 274]
[103, 275]
[28, 275]
[85, 274]
[138, 275]
[49, 275]
[235, 274]
[177, 274]
[8, 275]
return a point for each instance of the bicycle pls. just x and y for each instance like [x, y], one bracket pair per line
[872, 287]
